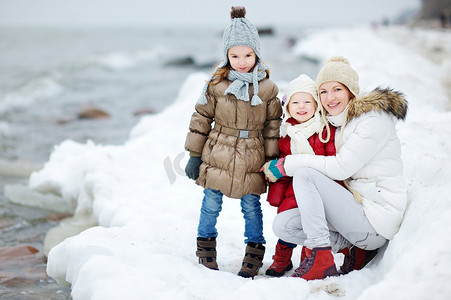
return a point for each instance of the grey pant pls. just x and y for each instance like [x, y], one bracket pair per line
[327, 215]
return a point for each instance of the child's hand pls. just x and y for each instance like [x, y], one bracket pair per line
[266, 178]
[274, 169]
[192, 167]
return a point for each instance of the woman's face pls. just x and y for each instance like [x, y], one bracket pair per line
[334, 97]
[242, 58]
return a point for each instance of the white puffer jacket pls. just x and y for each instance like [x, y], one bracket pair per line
[368, 158]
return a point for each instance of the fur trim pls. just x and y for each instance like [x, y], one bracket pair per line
[386, 100]
[238, 12]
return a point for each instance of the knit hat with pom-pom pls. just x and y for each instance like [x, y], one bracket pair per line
[337, 68]
[241, 32]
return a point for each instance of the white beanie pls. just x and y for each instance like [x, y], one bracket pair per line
[301, 84]
[337, 68]
[300, 133]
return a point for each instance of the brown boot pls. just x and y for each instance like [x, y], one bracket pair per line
[253, 260]
[206, 251]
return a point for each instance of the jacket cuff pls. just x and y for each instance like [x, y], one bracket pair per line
[194, 153]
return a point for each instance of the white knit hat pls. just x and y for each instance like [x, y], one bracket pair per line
[301, 84]
[300, 133]
[337, 68]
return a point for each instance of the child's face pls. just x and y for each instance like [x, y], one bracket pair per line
[302, 106]
[242, 58]
[334, 97]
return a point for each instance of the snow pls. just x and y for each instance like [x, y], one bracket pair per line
[146, 210]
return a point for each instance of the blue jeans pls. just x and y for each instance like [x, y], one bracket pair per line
[250, 207]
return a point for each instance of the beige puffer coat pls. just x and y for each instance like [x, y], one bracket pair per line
[231, 163]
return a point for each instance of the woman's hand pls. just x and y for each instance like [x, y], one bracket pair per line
[274, 169]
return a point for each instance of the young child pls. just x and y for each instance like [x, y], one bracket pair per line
[303, 121]
[242, 103]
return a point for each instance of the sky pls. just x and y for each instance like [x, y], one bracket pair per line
[196, 12]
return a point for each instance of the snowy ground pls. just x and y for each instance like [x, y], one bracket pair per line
[147, 210]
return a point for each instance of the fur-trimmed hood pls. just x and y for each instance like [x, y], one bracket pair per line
[380, 99]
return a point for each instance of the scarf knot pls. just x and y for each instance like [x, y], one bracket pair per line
[300, 133]
[240, 85]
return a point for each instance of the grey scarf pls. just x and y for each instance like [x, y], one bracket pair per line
[240, 85]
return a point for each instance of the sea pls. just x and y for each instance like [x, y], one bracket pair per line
[48, 76]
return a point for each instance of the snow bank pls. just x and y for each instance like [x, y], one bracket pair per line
[147, 210]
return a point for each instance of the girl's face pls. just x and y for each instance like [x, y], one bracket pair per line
[302, 106]
[242, 58]
[334, 97]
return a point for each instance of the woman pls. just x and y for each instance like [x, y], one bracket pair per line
[361, 218]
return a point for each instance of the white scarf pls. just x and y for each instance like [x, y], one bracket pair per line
[300, 133]
[338, 120]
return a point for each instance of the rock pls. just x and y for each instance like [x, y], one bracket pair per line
[21, 265]
[290, 42]
[182, 61]
[143, 111]
[265, 31]
[16, 251]
[90, 111]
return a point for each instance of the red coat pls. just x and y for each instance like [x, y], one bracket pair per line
[280, 193]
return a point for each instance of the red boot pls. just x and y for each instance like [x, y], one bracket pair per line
[303, 255]
[282, 261]
[318, 264]
[356, 259]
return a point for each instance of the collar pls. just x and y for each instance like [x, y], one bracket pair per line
[338, 120]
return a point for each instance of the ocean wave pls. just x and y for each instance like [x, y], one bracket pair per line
[122, 60]
[37, 88]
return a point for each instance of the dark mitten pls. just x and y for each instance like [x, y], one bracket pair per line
[192, 167]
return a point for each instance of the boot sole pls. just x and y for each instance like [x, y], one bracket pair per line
[246, 274]
[274, 273]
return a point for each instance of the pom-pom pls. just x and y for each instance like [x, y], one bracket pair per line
[339, 59]
[238, 12]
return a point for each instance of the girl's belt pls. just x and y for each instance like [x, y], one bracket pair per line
[244, 134]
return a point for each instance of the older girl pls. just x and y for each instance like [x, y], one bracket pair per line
[242, 102]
